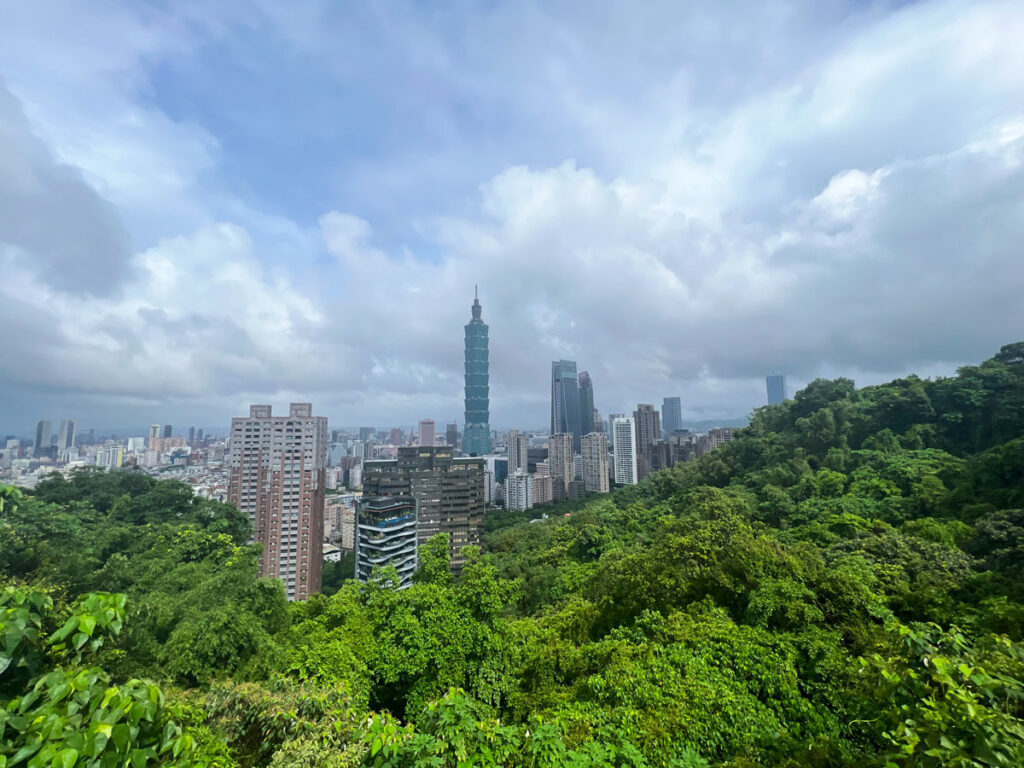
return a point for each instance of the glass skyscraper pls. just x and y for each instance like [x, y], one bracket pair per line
[476, 435]
[586, 404]
[671, 415]
[776, 384]
[565, 400]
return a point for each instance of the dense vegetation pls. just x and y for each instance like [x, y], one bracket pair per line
[841, 585]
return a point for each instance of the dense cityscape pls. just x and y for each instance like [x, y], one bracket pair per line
[316, 494]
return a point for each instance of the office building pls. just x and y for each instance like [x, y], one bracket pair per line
[154, 437]
[565, 401]
[427, 432]
[518, 451]
[671, 416]
[44, 429]
[560, 465]
[386, 534]
[449, 490]
[595, 462]
[366, 433]
[168, 430]
[199, 435]
[776, 385]
[648, 430]
[66, 437]
[586, 404]
[396, 437]
[191, 435]
[476, 433]
[519, 491]
[451, 434]
[624, 450]
[277, 475]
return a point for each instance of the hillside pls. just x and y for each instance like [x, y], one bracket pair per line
[841, 585]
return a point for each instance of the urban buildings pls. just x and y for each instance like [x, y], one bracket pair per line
[450, 492]
[66, 437]
[518, 491]
[451, 434]
[427, 432]
[168, 430]
[44, 430]
[586, 404]
[624, 450]
[565, 400]
[277, 467]
[671, 416]
[366, 433]
[154, 435]
[396, 436]
[476, 434]
[776, 385]
[648, 431]
[518, 452]
[560, 463]
[715, 438]
[595, 462]
[386, 534]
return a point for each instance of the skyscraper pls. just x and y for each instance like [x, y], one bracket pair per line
[560, 463]
[518, 451]
[43, 429]
[427, 432]
[671, 415]
[623, 446]
[168, 430]
[565, 400]
[277, 475]
[776, 384]
[449, 491]
[476, 434]
[451, 434]
[66, 436]
[191, 435]
[595, 462]
[648, 430]
[396, 436]
[586, 404]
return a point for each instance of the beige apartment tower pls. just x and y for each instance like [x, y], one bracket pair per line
[595, 462]
[277, 476]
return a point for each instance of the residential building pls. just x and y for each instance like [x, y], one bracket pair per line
[449, 490]
[519, 491]
[671, 415]
[396, 437]
[476, 434]
[277, 467]
[560, 455]
[595, 462]
[648, 429]
[154, 437]
[542, 489]
[111, 457]
[426, 432]
[624, 450]
[386, 534]
[565, 400]
[586, 404]
[714, 438]
[776, 386]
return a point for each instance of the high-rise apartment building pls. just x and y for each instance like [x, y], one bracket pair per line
[671, 415]
[518, 451]
[565, 400]
[624, 450]
[586, 404]
[451, 434]
[776, 385]
[44, 429]
[426, 432]
[519, 491]
[277, 467]
[595, 462]
[386, 534]
[715, 438]
[449, 490]
[560, 463]
[154, 435]
[476, 433]
[648, 431]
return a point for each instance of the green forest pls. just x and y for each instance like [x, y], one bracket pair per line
[840, 585]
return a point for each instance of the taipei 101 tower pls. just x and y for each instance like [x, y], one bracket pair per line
[476, 436]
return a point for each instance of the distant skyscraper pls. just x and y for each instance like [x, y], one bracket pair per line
[277, 474]
[671, 415]
[199, 435]
[560, 463]
[396, 436]
[586, 404]
[66, 436]
[648, 430]
[595, 462]
[366, 433]
[191, 434]
[451, 434]
[476, 433]
[168, 430]
[623, 447]
[427, 432]
[518, 451]
[776, 384]
[43, 430]
[565, 400]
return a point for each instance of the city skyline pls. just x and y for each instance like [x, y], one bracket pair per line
[677, 200]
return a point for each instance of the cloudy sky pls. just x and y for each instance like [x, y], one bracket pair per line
[204, 205]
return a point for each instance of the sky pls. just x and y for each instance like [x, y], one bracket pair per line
[206, 205]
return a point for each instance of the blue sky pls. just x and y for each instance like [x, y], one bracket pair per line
[204, 205]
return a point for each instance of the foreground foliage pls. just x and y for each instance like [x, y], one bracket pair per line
[839, 586]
